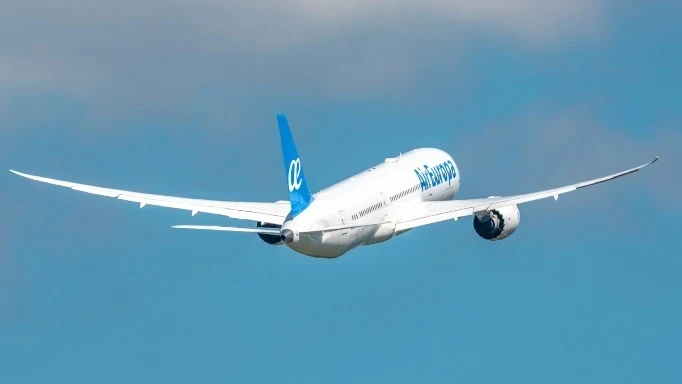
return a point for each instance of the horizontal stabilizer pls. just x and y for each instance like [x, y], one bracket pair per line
[273, 231]
[263, 231]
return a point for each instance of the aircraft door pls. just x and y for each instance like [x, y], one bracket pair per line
[384, 199]
[344, 221]
[342, 214]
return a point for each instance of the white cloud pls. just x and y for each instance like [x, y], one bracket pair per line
[526, 19]
[152, 49]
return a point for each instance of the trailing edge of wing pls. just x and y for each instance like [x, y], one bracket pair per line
[433, 212]
[267, 212]
[263, 231]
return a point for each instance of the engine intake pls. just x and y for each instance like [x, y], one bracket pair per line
[498, 224]
[270, 239]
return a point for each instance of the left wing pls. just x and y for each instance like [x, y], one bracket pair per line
[273, 213]
[432, 212]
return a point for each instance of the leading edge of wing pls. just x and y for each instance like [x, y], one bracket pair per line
[432, 212]
[268, 212]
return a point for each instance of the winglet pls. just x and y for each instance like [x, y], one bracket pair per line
[299, 193]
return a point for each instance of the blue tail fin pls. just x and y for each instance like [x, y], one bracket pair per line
[299, 193]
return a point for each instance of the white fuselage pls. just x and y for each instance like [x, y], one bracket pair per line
[379, 195]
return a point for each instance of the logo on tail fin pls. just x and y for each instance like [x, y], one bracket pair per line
[295, 180]
[299, 192]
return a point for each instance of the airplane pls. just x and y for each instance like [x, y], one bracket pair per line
[402, 193]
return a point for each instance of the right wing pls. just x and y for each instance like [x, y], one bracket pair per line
[430, 212]
[274, 213]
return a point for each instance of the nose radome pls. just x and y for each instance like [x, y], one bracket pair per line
[287, 236]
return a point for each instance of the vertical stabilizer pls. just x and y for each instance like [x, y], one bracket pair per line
[299, 193]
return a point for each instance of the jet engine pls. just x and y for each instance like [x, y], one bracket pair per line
[270, 239]
[498, 224]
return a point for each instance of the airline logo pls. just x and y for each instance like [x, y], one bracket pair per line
[294, 176]
[430, 177]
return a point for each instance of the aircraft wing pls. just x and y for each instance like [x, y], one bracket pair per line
[432, 212]
[273, 213]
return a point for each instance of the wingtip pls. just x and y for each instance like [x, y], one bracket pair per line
[654, 160]
[20, 173]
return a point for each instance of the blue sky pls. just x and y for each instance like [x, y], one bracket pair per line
[181, 100]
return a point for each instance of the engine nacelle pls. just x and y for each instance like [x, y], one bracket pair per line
[270, 239]
[498, 224]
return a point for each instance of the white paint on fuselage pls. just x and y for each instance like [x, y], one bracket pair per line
[343, 203]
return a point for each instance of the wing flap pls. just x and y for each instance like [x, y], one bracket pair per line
[432, 212]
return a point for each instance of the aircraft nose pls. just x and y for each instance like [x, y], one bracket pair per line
[287, 236]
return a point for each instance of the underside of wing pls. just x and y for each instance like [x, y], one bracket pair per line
[432, 212]
[274, 213]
